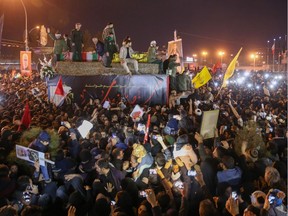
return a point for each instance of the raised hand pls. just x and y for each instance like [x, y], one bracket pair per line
[109, 187]
[72, 211]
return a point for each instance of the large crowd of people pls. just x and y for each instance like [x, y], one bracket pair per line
[123, 168]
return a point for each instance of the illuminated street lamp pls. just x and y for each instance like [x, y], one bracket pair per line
[26, 30]
[204, 54]
[36, 27]
[268, 45]
[273, 55]
[221, 53]
[253, 56]
[31, 37]
[194, 57]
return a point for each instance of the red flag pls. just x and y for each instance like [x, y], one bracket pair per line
[273, 48]
[147, 128]
[26, 118]
[216, 67]
[59, 88]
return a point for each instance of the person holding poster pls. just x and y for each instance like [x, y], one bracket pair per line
[41, 144]
[175, 48]
[172, 66]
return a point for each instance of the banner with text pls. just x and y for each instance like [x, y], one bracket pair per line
[143, 89]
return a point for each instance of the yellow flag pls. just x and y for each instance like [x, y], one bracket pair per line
[230, 70]
[201, 78]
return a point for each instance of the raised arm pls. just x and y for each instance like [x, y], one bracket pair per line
[236, 114]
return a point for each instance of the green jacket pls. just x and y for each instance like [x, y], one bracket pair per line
[173, 66]
[151, 54]
[60, 45]
[110, 45]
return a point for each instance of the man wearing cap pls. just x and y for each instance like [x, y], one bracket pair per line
[152, 56]
[77, 42]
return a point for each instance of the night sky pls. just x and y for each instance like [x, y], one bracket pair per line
[202, 24]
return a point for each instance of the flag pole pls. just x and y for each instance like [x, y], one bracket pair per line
[218, 92]
[268, 55]
[273, 62]
[273, 57]
[279, 55]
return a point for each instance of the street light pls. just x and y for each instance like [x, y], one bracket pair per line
[36, 27]
[273, 55]
[268, 54]
[221, 53]
[194, 57]
[32, 37]
[279, 55]
[204, 53]
[26, 30]
[253, 56]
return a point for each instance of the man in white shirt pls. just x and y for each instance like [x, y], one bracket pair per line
[125, 55]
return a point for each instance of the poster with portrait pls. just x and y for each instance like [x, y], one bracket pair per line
[137, 113]
[30, 155]
[209, 123]
[175, 48]
[25, 63]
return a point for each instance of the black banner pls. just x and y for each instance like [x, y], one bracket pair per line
[137, 89]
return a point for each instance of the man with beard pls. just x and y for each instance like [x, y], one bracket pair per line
[77, 42]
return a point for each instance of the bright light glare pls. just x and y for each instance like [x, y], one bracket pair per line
[249, 85]
[257, 87]
[279, 77]
[266, 76]
[17, 76]
[271, 86]
[215, 84]
[274, 82]
[240, 80]
[246, 73]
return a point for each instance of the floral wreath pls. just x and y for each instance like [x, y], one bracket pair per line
[47, 70]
